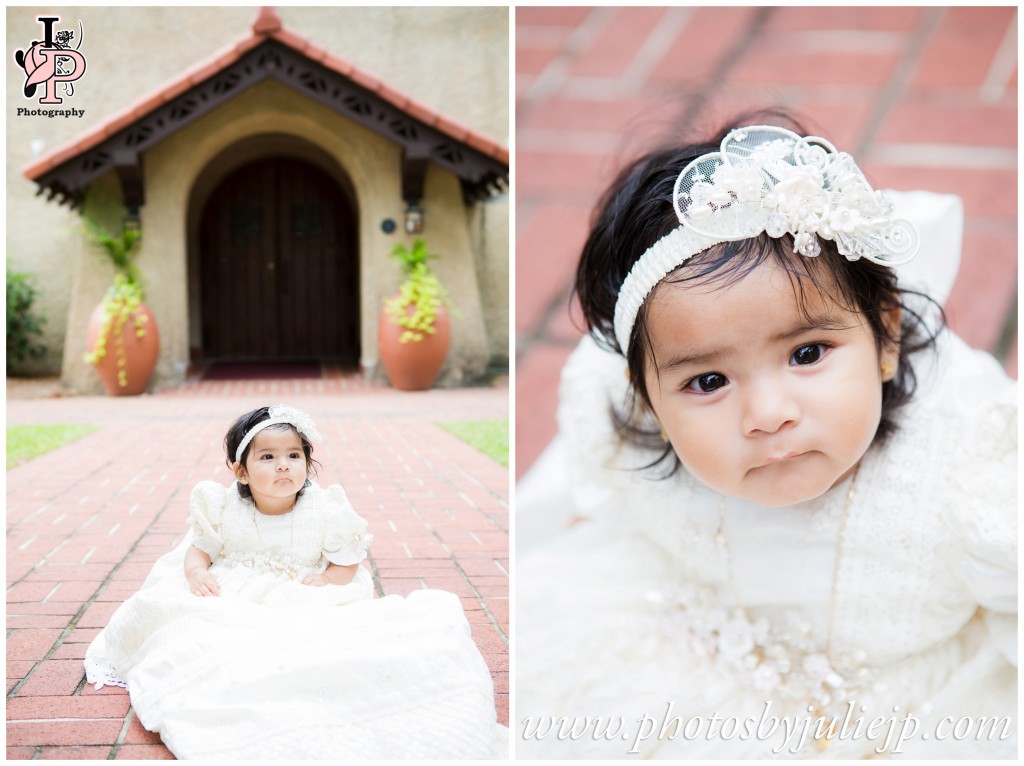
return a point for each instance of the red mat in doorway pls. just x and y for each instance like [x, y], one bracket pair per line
[263, 371]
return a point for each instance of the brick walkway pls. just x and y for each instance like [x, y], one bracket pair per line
[86, 522]
[925, 98]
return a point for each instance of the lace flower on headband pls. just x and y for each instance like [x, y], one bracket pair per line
[769, 179]
[279, 414]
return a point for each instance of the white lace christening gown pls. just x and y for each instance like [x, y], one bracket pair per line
[671, 624]
[275, 669]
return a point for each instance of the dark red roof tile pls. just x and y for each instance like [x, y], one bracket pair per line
[246, 44]
[481, 144]
[338, 64]
[266, 21]
[452, 128]
[175, 89]
[146, 105]
[422, 113]
[366, 80]
[292, 40]
[316, 53]
[396, 97]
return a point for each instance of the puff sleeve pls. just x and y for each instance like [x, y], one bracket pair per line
[571, 480]
[206, 513]
[985, 521]
[346, 539]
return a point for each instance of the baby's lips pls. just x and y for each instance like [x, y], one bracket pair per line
[779, 457]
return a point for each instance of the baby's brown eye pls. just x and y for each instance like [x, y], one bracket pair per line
[807, 354]
[708, 383]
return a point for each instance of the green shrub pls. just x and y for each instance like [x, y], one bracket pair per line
[23, 326]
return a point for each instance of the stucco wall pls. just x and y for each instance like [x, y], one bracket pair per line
[490, 227]
[133, 51]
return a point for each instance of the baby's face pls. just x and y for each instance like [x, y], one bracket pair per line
[275, 467]
[758, 402]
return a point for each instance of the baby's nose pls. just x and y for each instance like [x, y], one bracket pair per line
[769, 408]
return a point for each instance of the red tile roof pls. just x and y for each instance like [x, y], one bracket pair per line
[266, 26]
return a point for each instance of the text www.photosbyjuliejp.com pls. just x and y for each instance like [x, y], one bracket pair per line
[888, 733]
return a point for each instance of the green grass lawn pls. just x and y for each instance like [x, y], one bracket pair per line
[488, 436]
[31, 441]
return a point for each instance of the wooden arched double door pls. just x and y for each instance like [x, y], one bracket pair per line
[279, 266]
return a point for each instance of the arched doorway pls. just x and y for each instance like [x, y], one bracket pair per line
[278, 266]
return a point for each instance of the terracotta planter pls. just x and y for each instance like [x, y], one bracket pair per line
[140, 354]
[413, 366]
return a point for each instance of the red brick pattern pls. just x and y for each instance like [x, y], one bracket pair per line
[925, 98]
[87, 521]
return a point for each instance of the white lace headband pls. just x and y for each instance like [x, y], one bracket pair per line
[280, 414]
[768, 179]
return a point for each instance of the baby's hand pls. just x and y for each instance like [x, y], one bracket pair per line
[202, 583]
[316, 580]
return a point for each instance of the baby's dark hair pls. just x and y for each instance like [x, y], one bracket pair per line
[236, 433]
[637, 210]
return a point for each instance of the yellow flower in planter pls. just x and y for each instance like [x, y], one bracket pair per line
[421, 290]
[123, 302]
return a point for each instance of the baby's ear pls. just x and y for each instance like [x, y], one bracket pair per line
[239, 472]
[889, 358]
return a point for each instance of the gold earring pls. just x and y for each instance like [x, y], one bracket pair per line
[664, 436]
[888, 368]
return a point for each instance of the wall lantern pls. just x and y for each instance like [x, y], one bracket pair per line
[132, 222]
[413, 218]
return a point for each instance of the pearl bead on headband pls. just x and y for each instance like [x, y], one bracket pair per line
[280, 414]
[768, 179]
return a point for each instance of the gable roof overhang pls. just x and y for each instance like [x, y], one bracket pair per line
[480, 163]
